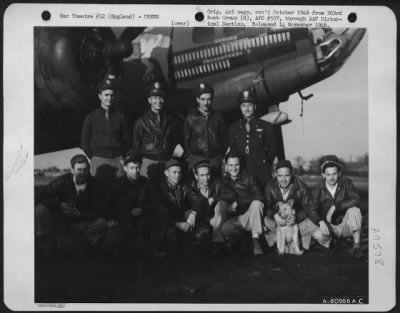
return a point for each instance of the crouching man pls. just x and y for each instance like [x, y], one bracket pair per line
[212, 196]
[248, 209]
[284, 187]
[335, 204]
[183, 215]
[70, 210]
[141, 220]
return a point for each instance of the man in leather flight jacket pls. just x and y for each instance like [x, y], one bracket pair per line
[211, 195]
[205, 132]
[248, 213]
[155, 134]
[283, 187]
[335, 204]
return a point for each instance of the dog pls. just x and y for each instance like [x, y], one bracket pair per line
[287, 237]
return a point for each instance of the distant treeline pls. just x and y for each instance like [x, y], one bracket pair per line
[358, 167]
[50, 172]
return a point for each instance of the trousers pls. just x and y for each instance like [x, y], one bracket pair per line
[250, 221]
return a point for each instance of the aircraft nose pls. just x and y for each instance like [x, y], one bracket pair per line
[336, 47]
[121, 49]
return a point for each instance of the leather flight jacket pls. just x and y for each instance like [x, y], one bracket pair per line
[346, 196]
[205, 136]
[155, 139]
[298, 192]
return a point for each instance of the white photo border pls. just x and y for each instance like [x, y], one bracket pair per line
[18, 179]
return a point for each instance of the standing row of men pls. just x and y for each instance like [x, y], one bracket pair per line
[155, 134]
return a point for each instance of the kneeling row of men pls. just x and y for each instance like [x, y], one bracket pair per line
[208, 209]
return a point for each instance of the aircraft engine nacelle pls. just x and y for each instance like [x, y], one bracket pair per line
[69, 63]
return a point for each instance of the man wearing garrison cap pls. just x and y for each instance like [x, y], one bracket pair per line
[105, 134]
[335, 204]
[155, 134]
[253, 139]
[205, 132]
[284, 187]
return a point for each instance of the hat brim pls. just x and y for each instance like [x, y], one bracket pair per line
[248, 100]
[156, 93]
[324, 164]
[167, 166]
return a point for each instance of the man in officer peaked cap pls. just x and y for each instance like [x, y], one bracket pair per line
[155, 134]
[105, 134]
[253, 139]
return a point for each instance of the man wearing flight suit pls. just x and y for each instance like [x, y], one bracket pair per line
[105, 135]
[253, 139]
[155, 134]
[205, 132]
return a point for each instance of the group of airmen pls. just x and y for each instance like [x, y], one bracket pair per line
[135, 186]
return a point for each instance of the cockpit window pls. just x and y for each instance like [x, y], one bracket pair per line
[203, 34]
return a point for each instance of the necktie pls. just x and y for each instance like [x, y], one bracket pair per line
[248, 126]
[107, 114]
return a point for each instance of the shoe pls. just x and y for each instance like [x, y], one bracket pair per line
[257, 250]
[357, 252]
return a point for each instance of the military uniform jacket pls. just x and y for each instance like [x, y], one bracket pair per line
[346, 196]
[298, 193]
[154, 139]
[256, 147]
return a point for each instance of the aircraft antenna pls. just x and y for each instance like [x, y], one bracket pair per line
[301, 115]
[302, 106]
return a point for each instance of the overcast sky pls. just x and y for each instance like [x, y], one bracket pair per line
[335, 120]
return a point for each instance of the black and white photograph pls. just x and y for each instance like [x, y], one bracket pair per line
[221, 164]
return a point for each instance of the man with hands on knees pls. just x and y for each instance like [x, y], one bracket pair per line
[249, 207]
[183, 214]
[213, 197]
[335, 205]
